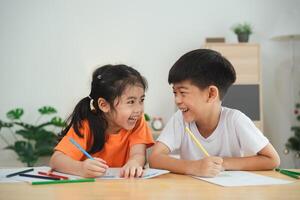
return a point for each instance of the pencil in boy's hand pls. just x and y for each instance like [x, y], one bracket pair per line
[81, 149]
[196, 141]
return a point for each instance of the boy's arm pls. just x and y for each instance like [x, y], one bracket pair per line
[160, 158]
[209, 166]
[266, 159]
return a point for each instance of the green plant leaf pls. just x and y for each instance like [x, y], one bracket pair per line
[5, 124]
[297, 105]
[25, 125]
[147, 117]
[242, 28]
[57, 121]
[47, 110]
[45, 143]
[25, 152]
[15, 114]
[294, 144]
[26, 133]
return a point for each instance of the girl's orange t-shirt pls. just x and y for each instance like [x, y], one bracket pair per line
[116, 148]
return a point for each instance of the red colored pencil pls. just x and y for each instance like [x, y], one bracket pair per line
[53, 175]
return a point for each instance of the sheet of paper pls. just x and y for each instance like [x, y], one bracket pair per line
[14, 179]
[111, 173]
[114, 173]
[242, 178]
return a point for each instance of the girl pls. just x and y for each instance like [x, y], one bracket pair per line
[109, 124]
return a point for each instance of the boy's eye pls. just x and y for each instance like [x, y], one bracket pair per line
[142, 100]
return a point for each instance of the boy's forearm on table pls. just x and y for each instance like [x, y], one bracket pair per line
[249, 163]
[168, 163]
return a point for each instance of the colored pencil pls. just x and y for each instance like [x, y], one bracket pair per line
[81, 149]
[53, 175]
[40, 177]
[63, 181]
[289, 173]
[20, 172]
[196, 141]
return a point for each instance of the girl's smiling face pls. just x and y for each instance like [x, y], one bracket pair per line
[128, 109]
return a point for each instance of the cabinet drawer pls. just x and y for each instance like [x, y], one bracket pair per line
[244, 58]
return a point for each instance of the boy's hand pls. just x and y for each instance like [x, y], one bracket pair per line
[206, 167]
[93, 168]
[131, 169]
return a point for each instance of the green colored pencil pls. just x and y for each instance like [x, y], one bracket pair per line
[292, 172]
[63, 181]
[288, 173]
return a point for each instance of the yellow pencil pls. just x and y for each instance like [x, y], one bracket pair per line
[196, 141]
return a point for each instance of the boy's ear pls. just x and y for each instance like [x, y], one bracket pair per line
[213, 93]
[103, 105]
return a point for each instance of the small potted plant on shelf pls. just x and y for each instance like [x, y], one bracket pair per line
[30, 141]
[243, 31]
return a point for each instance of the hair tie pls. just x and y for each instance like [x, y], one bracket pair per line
[99, 77]
[92, 107]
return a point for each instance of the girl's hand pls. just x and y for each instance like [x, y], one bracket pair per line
[93, 168]
[131, 169]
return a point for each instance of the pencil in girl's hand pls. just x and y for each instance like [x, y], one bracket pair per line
[81, 149]
[196, 141]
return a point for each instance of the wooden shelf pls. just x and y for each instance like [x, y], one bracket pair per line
[245, 58]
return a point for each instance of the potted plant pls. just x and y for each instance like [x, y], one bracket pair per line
[31, 140]
[293, 143]
[243, 31]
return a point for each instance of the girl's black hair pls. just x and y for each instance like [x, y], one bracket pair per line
[204, 67]
[109, 82]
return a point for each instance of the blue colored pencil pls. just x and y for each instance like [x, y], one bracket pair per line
[81, 149]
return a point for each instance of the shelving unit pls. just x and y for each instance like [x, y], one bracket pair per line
[246, 93]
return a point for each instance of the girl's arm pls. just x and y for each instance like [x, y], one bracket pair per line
[135, 163]
[87, 168]
[265, 159]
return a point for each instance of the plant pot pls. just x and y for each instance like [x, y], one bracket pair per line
[244, 37]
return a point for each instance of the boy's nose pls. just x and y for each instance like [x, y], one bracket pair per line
[178, 100]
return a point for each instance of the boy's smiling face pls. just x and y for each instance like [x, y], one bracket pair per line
[191, 100]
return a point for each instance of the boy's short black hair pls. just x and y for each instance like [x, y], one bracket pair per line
[204, 67]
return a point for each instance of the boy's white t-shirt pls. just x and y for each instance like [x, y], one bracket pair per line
[235, 136]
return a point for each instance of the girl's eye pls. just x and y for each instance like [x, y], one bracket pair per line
[131, 102]
[142, 100]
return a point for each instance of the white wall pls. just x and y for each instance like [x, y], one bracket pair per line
[48, 50]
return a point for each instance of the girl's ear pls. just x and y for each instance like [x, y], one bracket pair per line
[213, 94]
[103, 105]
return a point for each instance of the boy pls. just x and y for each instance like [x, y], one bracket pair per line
[200, 80]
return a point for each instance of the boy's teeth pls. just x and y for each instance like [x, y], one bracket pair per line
[184, 110]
